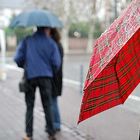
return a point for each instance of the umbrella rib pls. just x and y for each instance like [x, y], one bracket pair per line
[129, 83]
[107, 101]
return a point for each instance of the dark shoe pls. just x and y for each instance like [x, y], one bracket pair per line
[52, 137]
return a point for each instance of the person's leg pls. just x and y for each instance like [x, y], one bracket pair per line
[56, 114]
[29, 99]
[45, 91]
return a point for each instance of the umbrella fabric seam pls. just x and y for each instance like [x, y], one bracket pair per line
[122, 94]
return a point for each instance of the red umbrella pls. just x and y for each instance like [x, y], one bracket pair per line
[114, 69]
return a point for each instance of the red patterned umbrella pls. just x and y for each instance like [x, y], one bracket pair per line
[114, 69]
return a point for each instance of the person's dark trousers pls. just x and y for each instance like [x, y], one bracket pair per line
[45, 88]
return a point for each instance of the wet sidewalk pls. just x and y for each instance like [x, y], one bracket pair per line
[12, 114]
[118, 123]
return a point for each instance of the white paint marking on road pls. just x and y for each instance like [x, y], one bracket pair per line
[12, 67]
[133, 97]
[69, 81]
[73, 82]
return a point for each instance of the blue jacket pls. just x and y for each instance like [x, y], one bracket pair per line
[38, 55]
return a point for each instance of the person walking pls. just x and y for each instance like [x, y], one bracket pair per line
[39, 56]
[57, 82]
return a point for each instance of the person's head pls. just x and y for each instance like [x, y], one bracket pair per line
[46, 30]
[55, 34]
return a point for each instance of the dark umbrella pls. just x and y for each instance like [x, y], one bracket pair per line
[41, 18]
[114, 69]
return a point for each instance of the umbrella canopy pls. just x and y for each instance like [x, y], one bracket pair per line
[114, 69]
[36, 17]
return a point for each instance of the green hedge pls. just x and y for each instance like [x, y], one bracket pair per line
[20, 33]
[82, 28]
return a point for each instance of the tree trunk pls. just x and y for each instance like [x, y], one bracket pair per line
[92, 27]
[90, 40]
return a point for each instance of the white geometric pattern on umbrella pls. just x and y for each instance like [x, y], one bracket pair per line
[117, 36]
